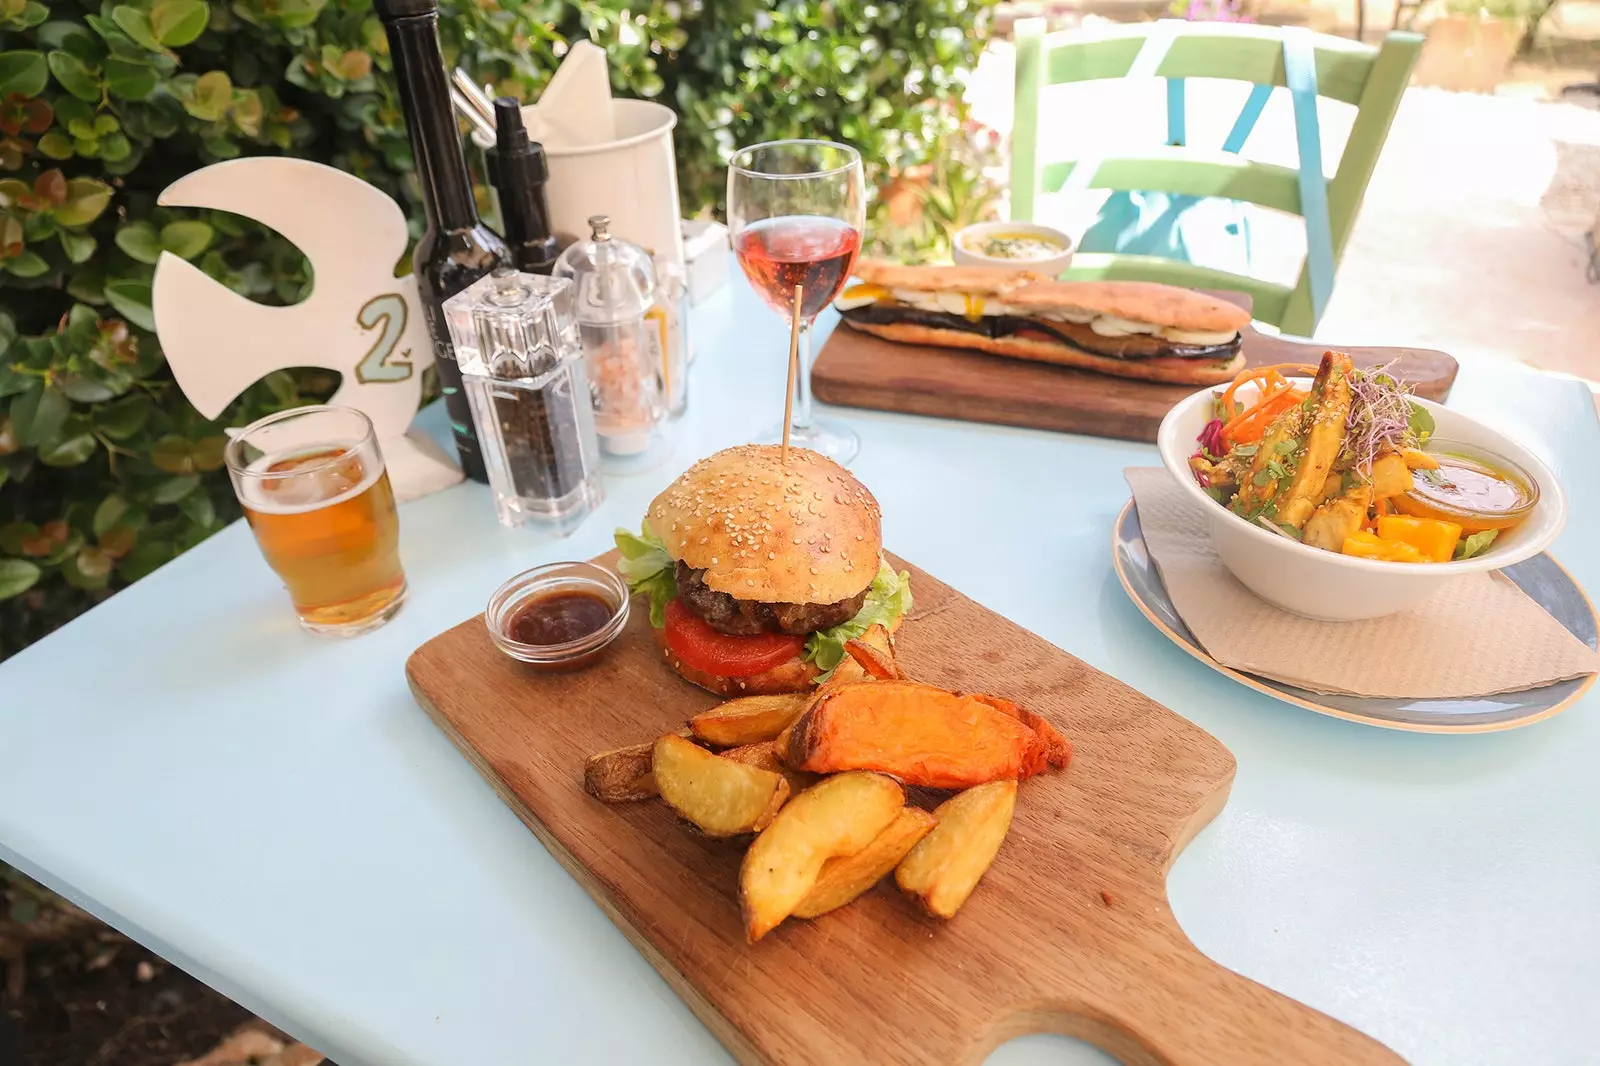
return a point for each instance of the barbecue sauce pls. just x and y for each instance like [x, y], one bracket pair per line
[559, 617]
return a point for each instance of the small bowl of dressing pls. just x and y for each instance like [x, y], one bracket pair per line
[1013, 246]
[560, 616]
[1475, 488]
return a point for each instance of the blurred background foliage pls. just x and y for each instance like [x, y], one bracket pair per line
[106, 472]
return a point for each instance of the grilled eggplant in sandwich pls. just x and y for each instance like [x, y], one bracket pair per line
[1131, 329]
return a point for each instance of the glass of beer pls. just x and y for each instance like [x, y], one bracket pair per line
[315, 492]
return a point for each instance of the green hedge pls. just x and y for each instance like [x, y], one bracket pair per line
[105, 471]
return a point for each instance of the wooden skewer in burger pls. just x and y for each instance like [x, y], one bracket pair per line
[1130, 329]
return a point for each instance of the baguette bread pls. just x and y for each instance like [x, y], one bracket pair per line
[1174, 370]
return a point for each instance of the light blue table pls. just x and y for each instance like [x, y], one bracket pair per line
[273, 813]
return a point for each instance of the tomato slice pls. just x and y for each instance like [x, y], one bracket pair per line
[703, 648]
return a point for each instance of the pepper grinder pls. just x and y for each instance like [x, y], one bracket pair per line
[525, 376]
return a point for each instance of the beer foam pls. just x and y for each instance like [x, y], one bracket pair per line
[304, 492]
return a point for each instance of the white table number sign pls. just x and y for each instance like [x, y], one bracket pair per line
[359, 320]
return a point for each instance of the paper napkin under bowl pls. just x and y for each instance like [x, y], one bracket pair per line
[1479, 635]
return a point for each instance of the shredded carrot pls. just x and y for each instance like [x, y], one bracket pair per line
[1252, 424]
[1272, 375]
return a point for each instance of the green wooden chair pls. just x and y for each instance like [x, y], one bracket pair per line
[1372, 79]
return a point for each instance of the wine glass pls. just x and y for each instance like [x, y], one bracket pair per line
[796, 210]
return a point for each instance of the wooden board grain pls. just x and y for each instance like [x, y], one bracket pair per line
[859, 370]
[1069, 932]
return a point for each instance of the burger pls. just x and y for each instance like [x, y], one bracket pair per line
[759, 570]
[1130, 329]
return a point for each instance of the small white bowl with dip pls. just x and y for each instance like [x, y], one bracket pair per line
[1013, 246]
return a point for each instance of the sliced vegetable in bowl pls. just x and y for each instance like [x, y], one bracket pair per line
[1345, 465]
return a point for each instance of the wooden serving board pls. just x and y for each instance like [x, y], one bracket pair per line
[856, 369]
[1069, 931]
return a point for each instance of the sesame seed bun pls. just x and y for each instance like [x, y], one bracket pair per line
[805, 532]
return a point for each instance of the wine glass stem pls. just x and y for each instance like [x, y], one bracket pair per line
[802, 386]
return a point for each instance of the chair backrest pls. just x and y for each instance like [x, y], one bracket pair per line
[1371, 79]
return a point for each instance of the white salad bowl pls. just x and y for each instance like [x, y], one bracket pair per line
[1340, 588]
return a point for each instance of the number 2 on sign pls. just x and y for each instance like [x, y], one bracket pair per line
[390, 311]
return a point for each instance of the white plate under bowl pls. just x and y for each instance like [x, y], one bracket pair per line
[1541, 577]
[1332, 587]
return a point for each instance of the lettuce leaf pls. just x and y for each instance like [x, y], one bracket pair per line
[888, 598]
[648, 569]
[1476, 544]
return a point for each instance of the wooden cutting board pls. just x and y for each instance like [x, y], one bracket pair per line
[856, 369]
[1069, 932]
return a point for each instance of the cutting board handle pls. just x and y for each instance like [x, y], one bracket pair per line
[1191, 1011]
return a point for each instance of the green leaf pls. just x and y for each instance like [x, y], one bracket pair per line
[1476, 544]
[89, 568]
[1420, 422]
[55, 145]
[8, 335]
[178, 22]
[23, 72]
[175, 488]
[197, 506]
[86, 200]
[71, 37]
[77, 246]
[210, 96]
[147, 555]
[80, 389]
[36, 417]
[75, 76]
[130, 80]
[186, 238]
[648, 570]
[27, 264]
[109, 513]
[140, 240]
[131, 298]
[125, 417]
[14, 534]
[888, 598]
[69, 452]
[136, 24]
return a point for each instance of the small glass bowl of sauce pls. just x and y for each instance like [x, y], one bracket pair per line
[1476, 489]
[558, 617]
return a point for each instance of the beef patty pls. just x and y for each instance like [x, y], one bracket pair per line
[1135, 346]
[747, 618]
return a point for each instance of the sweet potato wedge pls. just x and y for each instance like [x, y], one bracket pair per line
[945, 866]
[747, 720]
[874, 650]
[840, 816]
[621, 774]
[921, 735]
[722, 797]
[844, 878]
[760, 754]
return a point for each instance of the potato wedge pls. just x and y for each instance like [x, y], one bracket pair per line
[620, 775]
[761, 754]
[843, 879]
[945, 866]
[747, 720]
[722, 797]
[874, 650]
[840, 816]
[921, 735]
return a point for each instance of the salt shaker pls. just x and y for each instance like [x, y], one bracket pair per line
[624, 339]
[526, 380]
